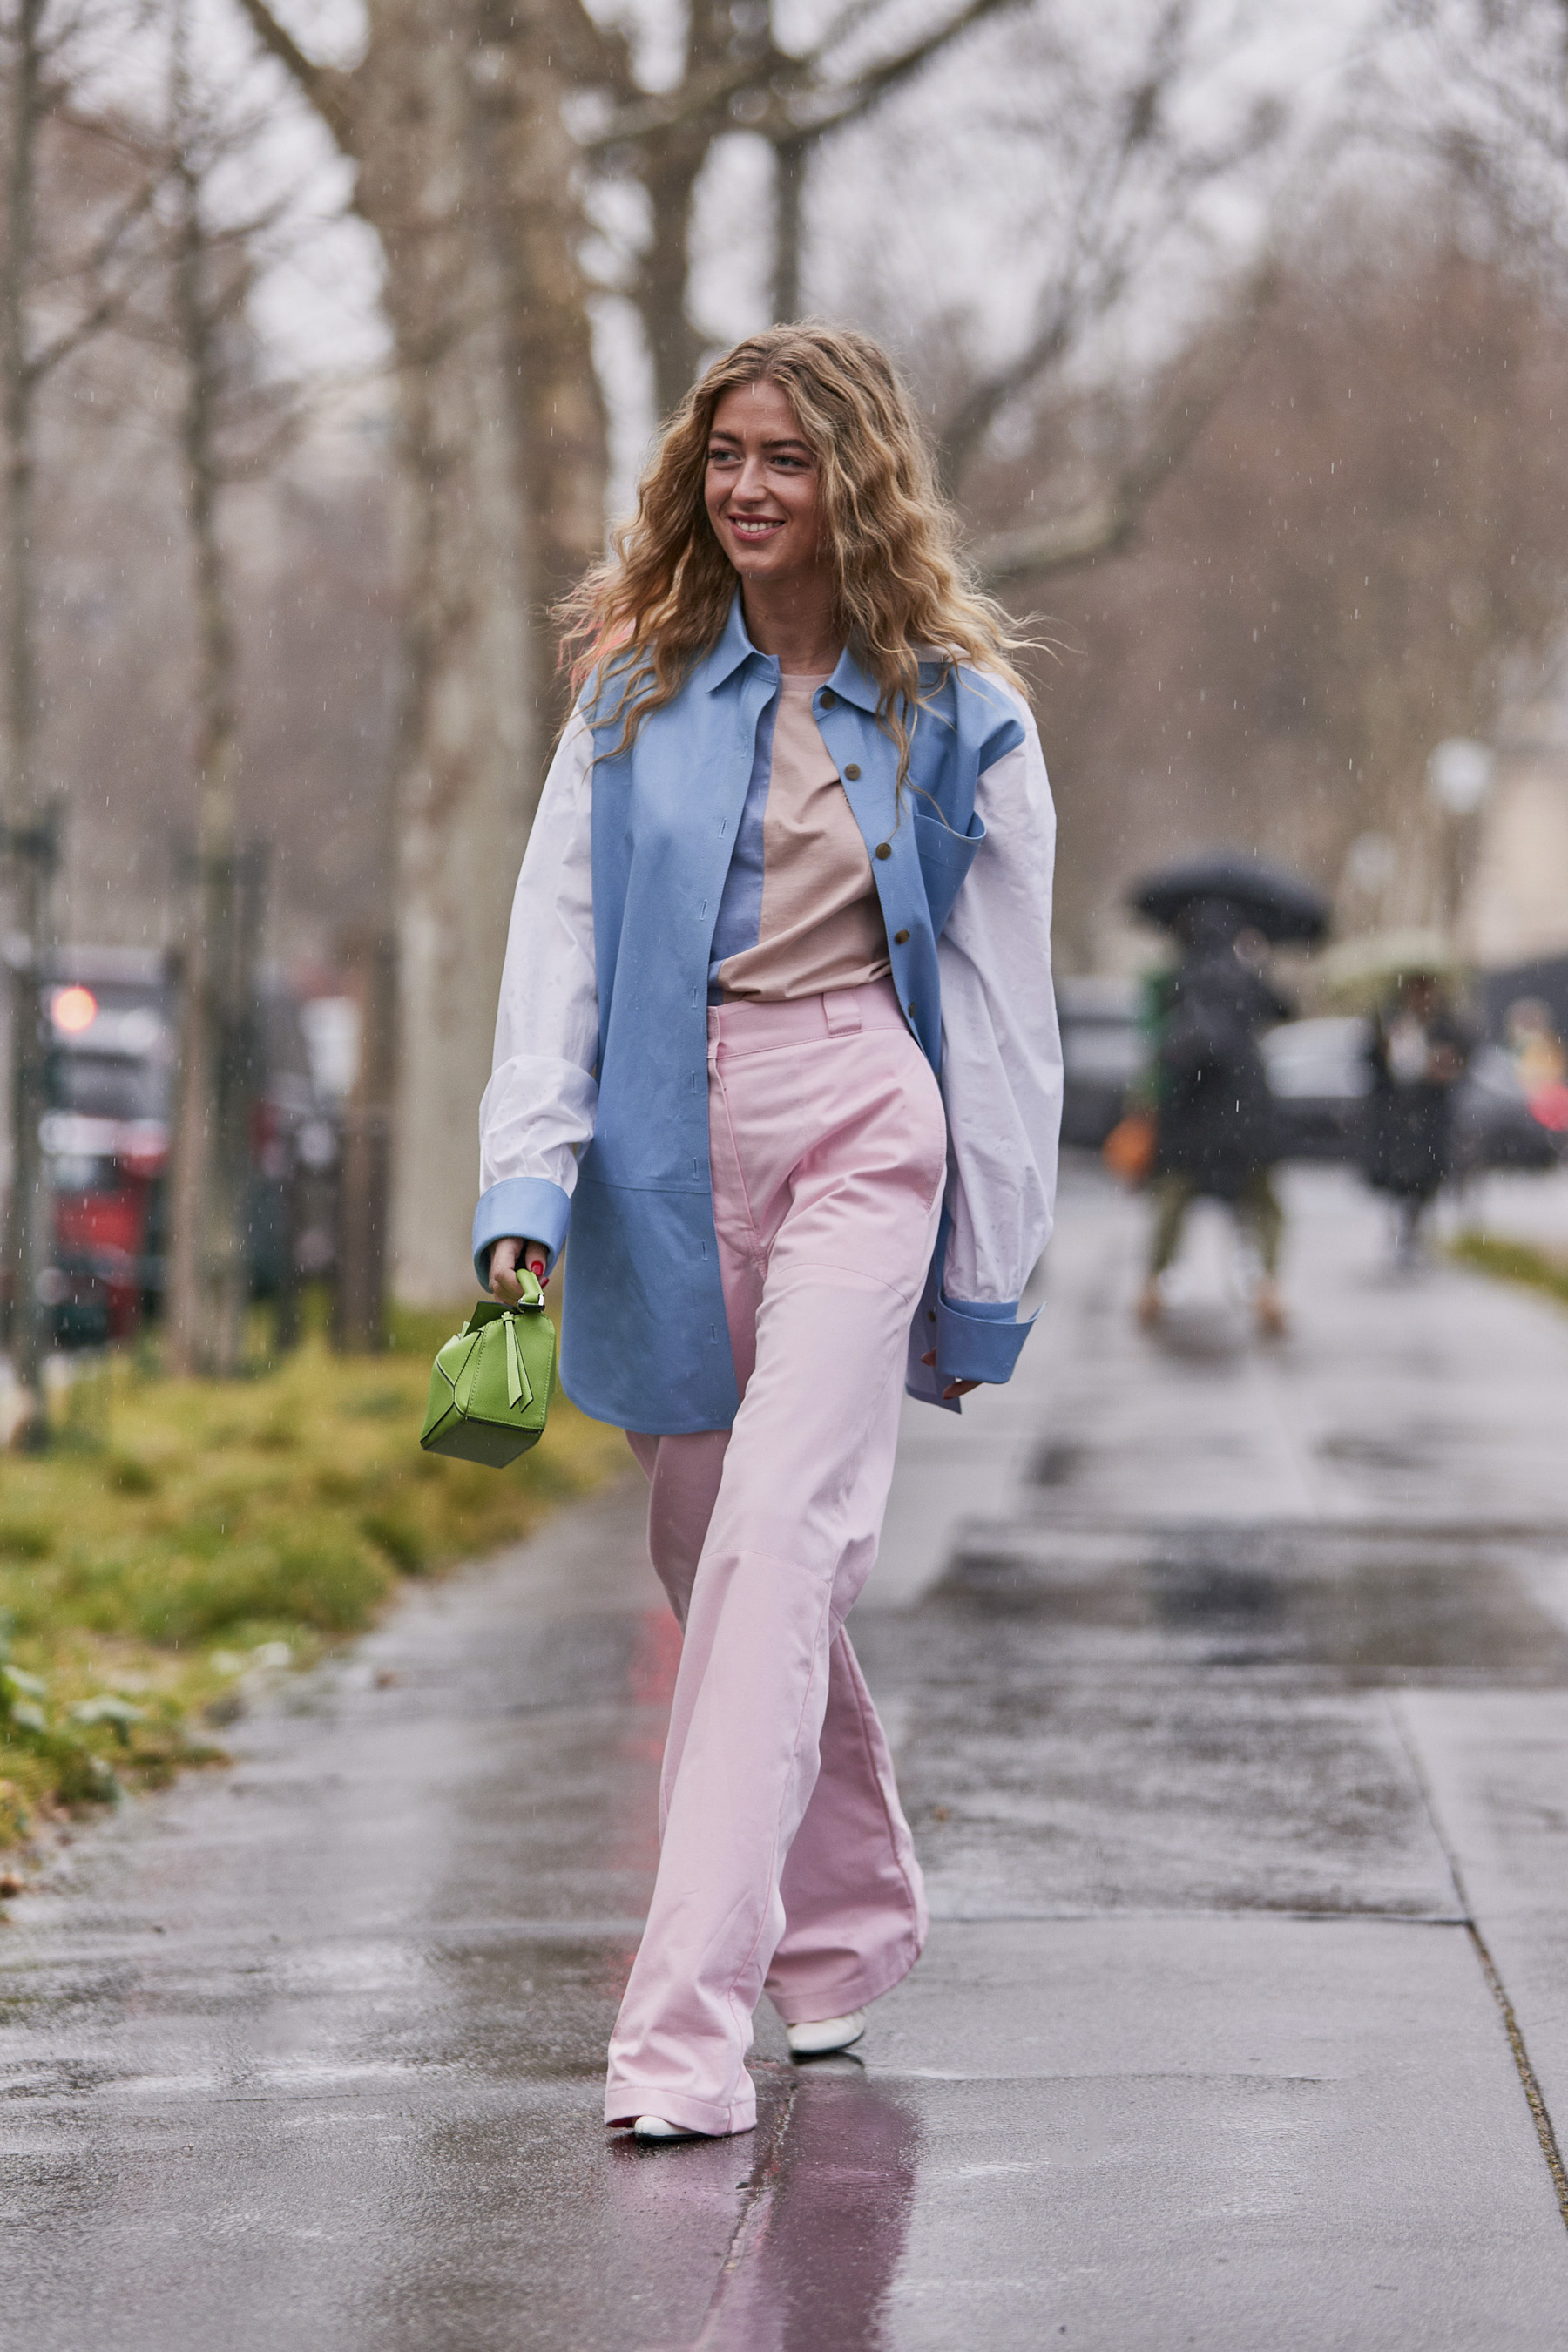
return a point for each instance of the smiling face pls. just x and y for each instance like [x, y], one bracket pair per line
[761, 488]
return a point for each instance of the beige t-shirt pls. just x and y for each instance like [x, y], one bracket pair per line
[821, 925]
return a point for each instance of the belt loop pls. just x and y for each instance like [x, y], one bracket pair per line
[841, 1009]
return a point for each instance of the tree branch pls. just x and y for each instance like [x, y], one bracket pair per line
[329, 89]
[794, 96]
[1104, 523]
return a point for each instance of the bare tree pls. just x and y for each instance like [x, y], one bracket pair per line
[212, 273]
[1150, 449]
[51, 304]
[1128, 179]
[1367, 536]
[738, 78]
[1481, 88]
[411, 115]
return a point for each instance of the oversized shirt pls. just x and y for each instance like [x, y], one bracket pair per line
[596, 1113]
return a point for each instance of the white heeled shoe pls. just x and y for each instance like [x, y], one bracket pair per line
[828, 2034]
[655, 2128]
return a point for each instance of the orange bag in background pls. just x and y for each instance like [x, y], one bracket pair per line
[1128, 1150]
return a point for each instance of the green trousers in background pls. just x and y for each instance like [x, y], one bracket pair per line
[1257, 1206]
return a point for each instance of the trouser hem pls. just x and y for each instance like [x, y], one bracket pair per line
[624, 2105]
[840, 1994]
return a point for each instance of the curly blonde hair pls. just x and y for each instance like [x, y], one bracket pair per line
[644, 618]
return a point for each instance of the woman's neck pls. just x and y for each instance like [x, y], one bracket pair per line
[793, 620]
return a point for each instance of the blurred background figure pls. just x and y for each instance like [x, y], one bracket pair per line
[1530, 1036]
[1214, 1127]
[1419, 1051]
[1213, 1118]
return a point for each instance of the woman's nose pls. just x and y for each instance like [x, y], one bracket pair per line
[751, 485]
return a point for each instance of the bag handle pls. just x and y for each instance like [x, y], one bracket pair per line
[490, 1311]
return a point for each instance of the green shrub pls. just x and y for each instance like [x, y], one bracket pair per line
[275, 1510]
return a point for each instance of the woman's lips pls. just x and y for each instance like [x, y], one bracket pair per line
[754, 527]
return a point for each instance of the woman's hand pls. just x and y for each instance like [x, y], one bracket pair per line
[954, 1388]
[505, 1258]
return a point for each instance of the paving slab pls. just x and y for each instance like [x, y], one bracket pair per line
[1496, 1767]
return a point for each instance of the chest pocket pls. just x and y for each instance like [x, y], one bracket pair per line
[945, 857]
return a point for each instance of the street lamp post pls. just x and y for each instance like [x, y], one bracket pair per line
[1458, 776]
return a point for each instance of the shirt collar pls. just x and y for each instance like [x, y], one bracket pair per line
[734, 648]
[848, 681]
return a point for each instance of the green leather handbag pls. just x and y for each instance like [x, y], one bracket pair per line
[490, 1385]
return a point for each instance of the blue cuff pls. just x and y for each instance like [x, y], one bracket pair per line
[978, 1341]
[524, 1208]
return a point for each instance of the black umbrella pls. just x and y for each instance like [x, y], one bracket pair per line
[1279, 905]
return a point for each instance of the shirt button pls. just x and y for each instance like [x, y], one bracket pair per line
[912, 1008]
[901, 939]
[884, 849]
[828, 697]
[853, 772]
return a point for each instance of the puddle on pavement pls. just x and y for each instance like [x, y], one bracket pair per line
[1366, 1604]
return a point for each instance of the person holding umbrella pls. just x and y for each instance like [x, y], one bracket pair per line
[1213, 1110]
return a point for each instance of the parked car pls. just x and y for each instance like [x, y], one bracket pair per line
[1320, 1078]
[109, 1018]
[112, 1024]
[1103, 1049]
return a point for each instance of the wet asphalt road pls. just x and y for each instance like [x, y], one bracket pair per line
[1231, 1697]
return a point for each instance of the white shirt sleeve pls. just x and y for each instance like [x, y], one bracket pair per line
[539, 1107]
[1002, 1056]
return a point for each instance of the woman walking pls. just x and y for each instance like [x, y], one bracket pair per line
[776, 1039]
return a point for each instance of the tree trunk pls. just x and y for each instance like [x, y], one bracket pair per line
[208, 1273]
[469, 745]
[358, 1305]
[674, 343]
[789, 191]
[533, 166]
[31, 840]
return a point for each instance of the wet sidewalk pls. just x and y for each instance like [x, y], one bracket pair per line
[1231, 1694]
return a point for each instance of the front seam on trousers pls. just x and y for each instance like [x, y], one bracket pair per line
[794, 1753]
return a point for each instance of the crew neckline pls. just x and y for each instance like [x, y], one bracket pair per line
[801, 683]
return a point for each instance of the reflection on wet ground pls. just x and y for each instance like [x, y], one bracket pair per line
[818, 2251]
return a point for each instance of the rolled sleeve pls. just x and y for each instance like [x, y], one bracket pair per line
[978, 1340]
[525, 1209]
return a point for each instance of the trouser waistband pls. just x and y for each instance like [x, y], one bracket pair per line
[743, 1027]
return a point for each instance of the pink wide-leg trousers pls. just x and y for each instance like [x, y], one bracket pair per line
[786, 1863]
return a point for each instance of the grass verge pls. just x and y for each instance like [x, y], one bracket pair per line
[185, 1540]
[1514, 1261]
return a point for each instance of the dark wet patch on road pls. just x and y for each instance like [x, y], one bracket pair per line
[1365, 1602]
[1195, 1716]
